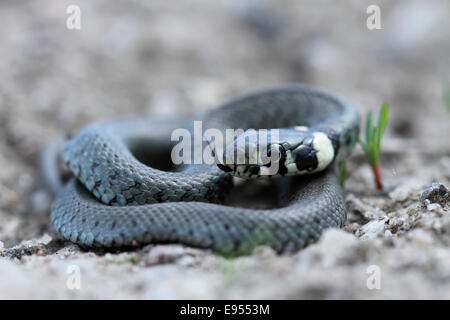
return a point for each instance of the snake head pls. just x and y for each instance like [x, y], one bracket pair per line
[277, 152]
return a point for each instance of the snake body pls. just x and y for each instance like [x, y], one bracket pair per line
[116, 200]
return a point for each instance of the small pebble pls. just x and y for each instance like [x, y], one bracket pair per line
[433, 206]
[372, 228]
[436, 193]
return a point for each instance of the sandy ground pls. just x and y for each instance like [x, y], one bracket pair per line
[137, 57]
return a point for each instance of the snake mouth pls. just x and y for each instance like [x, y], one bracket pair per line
[266, 163]
[224, 167]
[249, 171]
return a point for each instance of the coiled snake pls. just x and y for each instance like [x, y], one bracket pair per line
[116, 200]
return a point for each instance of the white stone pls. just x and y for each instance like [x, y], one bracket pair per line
[372, 228]
[433, 206]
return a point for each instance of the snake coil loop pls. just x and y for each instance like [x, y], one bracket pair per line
[116, 200]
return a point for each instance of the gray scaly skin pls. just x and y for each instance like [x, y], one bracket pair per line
[118, 201]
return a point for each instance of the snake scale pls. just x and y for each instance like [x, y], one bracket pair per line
[117, 200]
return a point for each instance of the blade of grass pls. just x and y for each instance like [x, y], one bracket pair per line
[382, 122]
[364, 145]
[372, 145]
[368, 125]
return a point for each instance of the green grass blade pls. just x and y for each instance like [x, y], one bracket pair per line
[368, 125]
[372, 145]
[373, 159]
[364, 145]
[382, 122]
[373, 137]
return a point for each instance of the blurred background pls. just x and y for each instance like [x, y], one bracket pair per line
[168, 57]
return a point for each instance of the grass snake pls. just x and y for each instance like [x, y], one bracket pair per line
[118, 199]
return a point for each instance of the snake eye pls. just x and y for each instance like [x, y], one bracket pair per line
[274, 152]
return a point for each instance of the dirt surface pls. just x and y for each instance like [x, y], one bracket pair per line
[135, 57]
